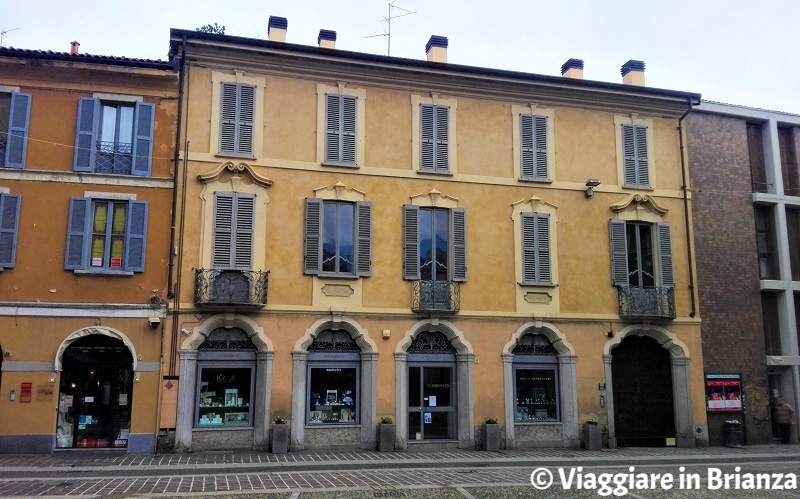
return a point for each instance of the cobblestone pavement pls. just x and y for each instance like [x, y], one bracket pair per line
[363, 474]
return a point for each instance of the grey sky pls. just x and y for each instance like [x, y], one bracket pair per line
[734, 51]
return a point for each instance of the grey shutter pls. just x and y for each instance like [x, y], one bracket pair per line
[143, 139]
[458, 238]
[312, 253]
[665, 254]
[349, 104]
[244, 223]
[540, 133]
[78, 233]
[411, 242]
[543, 272]
[442, 131]
[227, 126]
[17, 139]
[526, 140]
[136, 236]
[629, 155]
[9, 225]
[333, 136]
[222, 247]
[426, 139]
[246, 119]
[619, 253]
[363, 238]
[528, 248]
[86, 133]
[642, 163]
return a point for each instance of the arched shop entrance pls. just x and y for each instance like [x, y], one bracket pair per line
[95, 394]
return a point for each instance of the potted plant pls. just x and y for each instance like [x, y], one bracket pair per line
[280, 435]
[592, 435]
[386, 432]
[491, 434]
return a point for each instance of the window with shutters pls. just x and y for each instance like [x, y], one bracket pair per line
[533, 143]
[338, 237]
[635, 152]
[434, 244]
[237, 119]
[641, 254]
[340, 125]
[536, 263]
[433, 134]
[106, 235]
[15, 110]
[232, 246]
[9, 226]
[114, 137]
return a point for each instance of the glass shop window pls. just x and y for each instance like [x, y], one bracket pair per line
[225, 397]
[333, 394]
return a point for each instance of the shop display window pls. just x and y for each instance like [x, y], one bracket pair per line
[333, 394]
[536, 394]
[224, 396]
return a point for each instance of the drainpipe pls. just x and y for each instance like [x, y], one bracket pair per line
[685, 190]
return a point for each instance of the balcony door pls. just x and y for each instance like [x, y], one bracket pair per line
[431, 401]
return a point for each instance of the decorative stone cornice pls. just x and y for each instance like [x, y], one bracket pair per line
[639, 199]
[235, 169]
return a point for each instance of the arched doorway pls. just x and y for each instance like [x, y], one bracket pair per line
[641, 372]
[95, 394]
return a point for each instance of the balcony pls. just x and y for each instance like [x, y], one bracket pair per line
[656, 303]
[113, 157]
[231, 288]
[435, 296]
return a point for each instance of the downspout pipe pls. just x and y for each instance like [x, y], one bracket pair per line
[685, 190]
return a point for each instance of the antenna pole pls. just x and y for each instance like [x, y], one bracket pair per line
[388, 20]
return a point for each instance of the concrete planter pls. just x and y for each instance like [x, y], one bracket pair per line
[280, 438]
[491, 437]
[386, 433]
[592, 437]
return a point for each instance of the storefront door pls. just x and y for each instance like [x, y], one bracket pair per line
[95, 394]
[431, 402]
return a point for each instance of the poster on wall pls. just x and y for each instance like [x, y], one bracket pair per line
[724, 392]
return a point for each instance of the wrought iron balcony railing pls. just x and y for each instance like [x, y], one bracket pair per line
[647, 303]
[3, 141]
[243, 288]
[113, 157]
[435, 296]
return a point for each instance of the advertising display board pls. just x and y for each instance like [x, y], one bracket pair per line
[724, 392]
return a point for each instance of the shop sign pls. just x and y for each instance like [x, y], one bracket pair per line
[724, 392]
[123, 399]
[25, 393]
[44, 392]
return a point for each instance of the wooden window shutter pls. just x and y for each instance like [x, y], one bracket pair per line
[228, 121]
[244, 224]
[17, 138]
[629, 155]
[442, 136]
[77, 233]
[245, 121]
[642, 163]
[143, 138]
[411, 242]
[527, 147]
[619, 253]
[348, 154]
[458, 238]
[333, 130]
[312, 253]
[543, 266]
[222, 246]
[136, 236]
[540, 133]
[9, 225]
[427, 142]
[363, 238]
[664, 245]
[85, 136]
[529, 248]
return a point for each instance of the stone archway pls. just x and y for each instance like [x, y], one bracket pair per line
[465, 429]
[567, 382]
[368, 378]
[102, 330]
[681, 390]
[188, 378]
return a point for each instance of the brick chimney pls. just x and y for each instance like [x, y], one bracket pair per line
[573, 68]
[276, 29]
[436, 48]
[633, 73]
[327, 39]
[73, 47]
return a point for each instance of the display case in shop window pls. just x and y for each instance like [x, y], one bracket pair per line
[225, 397]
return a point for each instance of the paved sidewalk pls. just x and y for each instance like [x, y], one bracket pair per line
[99, 461]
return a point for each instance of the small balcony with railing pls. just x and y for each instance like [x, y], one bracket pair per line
[435, 297]
[231, 288]
[3, 142]
[113, 157]
[653, 303]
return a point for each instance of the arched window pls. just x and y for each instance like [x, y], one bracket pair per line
[334, 374]
[535, 368]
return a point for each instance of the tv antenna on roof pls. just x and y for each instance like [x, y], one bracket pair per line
[3, 34]
[388, 20]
